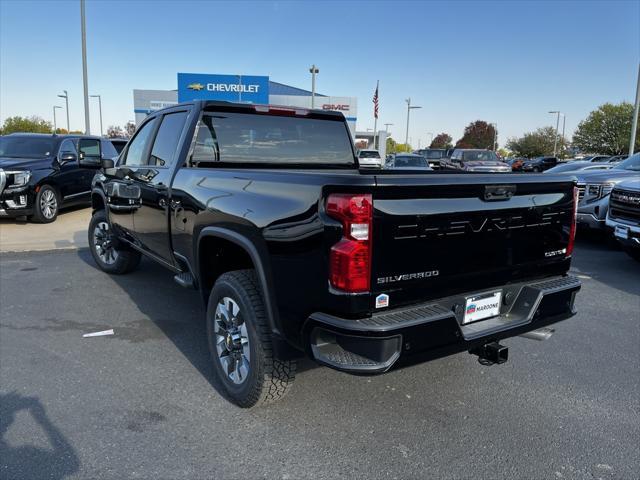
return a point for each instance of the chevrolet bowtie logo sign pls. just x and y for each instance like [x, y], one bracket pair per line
[195, 86]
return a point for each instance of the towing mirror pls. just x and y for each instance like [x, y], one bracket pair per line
[67, 157]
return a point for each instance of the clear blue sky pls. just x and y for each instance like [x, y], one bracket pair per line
[504, 62]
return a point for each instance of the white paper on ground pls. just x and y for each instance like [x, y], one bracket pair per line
[99, 334]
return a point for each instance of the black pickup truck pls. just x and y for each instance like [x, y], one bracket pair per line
[296, 251]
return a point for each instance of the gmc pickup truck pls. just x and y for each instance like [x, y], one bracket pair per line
[296, 251]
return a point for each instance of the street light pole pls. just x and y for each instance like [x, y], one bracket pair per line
[314, 71]
[87, 126]
[555, 139]
[66, 101]
[430, 139]
[634, 123]
[564, 121]
[100, 108]
[409, 108]
[55, 124]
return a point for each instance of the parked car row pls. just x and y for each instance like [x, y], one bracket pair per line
[609, 200]
[40, 173]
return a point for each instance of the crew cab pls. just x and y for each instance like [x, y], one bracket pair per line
[40, 174]
[297, 251]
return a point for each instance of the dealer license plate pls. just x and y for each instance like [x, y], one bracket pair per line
[621, 232]
[482, 306]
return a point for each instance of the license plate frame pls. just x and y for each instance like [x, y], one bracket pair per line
[482, 306]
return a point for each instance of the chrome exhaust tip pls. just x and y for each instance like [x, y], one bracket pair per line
[540, 334]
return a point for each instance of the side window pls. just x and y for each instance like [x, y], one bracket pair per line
[167, 138]
[206, 147]
[67, 146]
[138, 146]
[108, 150]
[89, 148]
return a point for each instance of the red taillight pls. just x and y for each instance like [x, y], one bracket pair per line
[350, 258]
[572, 231]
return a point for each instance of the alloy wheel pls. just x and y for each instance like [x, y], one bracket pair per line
[48, 204]
[103, 243]
[232, 340]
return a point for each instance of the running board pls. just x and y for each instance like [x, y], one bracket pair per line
[185, 280]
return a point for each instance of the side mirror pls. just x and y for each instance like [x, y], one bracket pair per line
[67, 157]
[108, 163]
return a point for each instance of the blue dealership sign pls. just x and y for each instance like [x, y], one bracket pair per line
[232, 88]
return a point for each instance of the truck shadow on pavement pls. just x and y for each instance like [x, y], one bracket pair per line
[600, 258]
[177, 312]
[57, 462]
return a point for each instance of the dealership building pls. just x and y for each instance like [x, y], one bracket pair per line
[240, 88]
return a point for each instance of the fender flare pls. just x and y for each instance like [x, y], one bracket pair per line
[249, 247]
[99, 192]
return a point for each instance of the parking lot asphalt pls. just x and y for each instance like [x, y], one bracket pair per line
[141, 403]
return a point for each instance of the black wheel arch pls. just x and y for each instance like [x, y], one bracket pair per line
[248, 247]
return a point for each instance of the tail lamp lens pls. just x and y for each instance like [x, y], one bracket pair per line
[350, 258]
[572, 231]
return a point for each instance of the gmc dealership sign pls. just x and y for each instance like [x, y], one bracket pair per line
[342, 107]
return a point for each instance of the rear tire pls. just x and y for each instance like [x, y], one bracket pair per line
[240, 342]
[110, 254]
[47, 205]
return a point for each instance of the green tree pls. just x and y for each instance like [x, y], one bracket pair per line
[442, 140]
[504, 153]
[537, 143]
[478, 134]
[607, 130]
[25, 124]
[403, 148]
[391, 145]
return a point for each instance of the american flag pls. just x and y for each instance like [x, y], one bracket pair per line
[375, 101]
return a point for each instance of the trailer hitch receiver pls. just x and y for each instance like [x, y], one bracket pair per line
[491, 353]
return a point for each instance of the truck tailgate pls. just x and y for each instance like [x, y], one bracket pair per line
[436, 235]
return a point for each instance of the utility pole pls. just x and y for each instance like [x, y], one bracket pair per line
[87, 126]
[409, 108]
[634, 123]
[100, 107]
[555, 140]
[314, 71]
[66, 101]
[55, 124]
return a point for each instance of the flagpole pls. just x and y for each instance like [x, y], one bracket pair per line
[375, 118]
